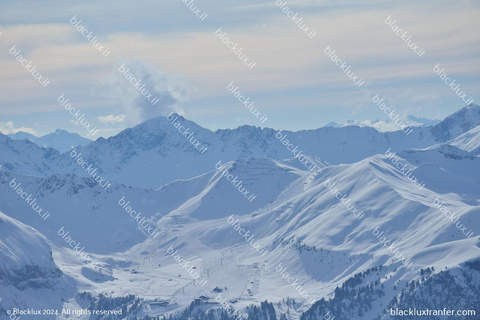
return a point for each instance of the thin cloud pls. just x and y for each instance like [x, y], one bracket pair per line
[111, 119]
[9, 128]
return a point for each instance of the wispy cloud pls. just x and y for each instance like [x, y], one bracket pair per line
[8, 128]
[112, 119]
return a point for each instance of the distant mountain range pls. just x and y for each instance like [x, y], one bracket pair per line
[141, 156]
[385, 125]
[60, 140]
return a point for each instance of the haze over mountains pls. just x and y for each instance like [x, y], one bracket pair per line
[141, 156]
[305, 228]
[60, 140]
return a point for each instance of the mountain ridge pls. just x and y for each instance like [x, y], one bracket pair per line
[60, 140]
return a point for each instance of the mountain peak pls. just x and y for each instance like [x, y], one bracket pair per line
[162, 121]
[457, 123]
[331, 124]
[472, 106]
[21, 135]
[156, 131]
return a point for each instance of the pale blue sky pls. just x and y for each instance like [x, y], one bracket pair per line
[181, 59]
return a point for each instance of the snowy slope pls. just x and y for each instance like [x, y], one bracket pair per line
[469, 141]
[29, 277]
[447, 169]
[458, 123]
[91, 214]
[305, 229]
[95, 218]
[24, 253]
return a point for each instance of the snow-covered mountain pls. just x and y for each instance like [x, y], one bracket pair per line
[319, 240]
[306, 230]
[26, 157]
[24, 254]
[385, 125]
[60, 140]
[141, 156]
[20, 135]
[421, 121]
[29, 276]
[275, 238]
[469, 141]
[458, 123]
